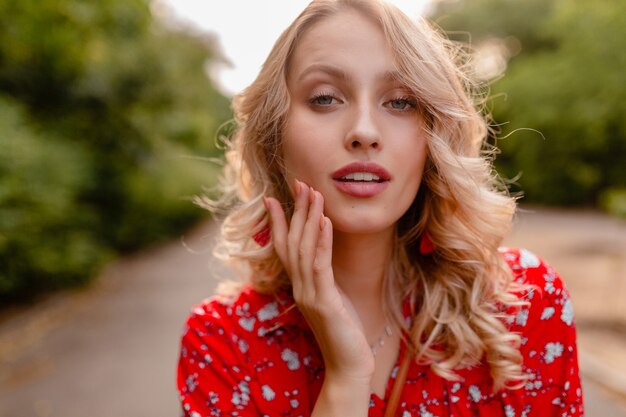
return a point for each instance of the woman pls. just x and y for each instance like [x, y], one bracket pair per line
[369, 222]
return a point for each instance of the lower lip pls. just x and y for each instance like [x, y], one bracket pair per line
[361, 189]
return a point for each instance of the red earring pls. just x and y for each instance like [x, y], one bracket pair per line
[263, 237]
[426, 244]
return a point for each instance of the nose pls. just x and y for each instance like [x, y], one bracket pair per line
[363, 132]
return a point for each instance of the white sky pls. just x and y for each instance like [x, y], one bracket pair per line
[247, 29]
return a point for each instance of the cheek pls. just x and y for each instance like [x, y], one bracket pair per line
[415, 162]
[305, 146]
[291, 147]
[294, 147]
[298, 151]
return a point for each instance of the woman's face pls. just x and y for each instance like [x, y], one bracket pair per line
[353, 131]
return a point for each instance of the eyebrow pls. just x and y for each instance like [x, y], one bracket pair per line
[327, 69]
[390, 76]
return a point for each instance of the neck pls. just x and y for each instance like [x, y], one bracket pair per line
[359, 264]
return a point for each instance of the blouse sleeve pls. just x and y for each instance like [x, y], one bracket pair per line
[212, 379]
[548, 342]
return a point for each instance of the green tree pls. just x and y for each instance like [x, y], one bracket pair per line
[568, 83]
[126, 113]
[38, 201]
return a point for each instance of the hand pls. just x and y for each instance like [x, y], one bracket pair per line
[305, 249]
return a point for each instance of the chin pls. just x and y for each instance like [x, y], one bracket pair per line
[362, 224]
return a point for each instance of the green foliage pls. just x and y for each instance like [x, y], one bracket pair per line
[44, 241]
[567, 83]
[107, 121]
[474, 20]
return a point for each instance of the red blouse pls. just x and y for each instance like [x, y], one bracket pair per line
[255, 355]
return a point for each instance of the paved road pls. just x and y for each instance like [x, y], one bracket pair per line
[111, 350]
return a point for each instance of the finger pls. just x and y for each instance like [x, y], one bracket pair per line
[298, 219]
[310, 236]
[322, 266]
[301, 209]
[279, 230]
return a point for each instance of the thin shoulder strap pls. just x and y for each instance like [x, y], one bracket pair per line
[398, 385]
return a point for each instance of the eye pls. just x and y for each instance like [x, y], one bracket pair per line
[322, 100]
[403, 104]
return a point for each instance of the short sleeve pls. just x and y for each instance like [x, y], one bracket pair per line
[212, 380]
[548, 341]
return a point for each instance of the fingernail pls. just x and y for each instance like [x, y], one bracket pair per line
[296, 186]
[311, 194]
[266, 203]
[322, 222]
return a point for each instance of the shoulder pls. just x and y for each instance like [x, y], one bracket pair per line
[535, 280]
[245, 349]
[241, 311]
[227, 365]
[248, 312]
[527, 267]
[546, 321]
[538, 283]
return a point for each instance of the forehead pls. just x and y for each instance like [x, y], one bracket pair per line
[348, 40]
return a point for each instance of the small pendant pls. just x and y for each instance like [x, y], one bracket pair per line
[381, 340]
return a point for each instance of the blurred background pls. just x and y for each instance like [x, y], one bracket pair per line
[110, 115]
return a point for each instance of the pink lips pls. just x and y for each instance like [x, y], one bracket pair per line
[362, 189]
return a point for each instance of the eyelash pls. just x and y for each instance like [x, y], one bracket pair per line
[410, 101]
[317, 96]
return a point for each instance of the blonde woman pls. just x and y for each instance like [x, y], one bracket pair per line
[369, 222]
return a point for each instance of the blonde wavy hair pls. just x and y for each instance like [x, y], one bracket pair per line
[461, 292]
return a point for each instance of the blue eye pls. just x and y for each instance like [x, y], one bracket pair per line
[402, 104]
[322, 100]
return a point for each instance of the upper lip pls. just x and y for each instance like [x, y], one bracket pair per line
[370, 167]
